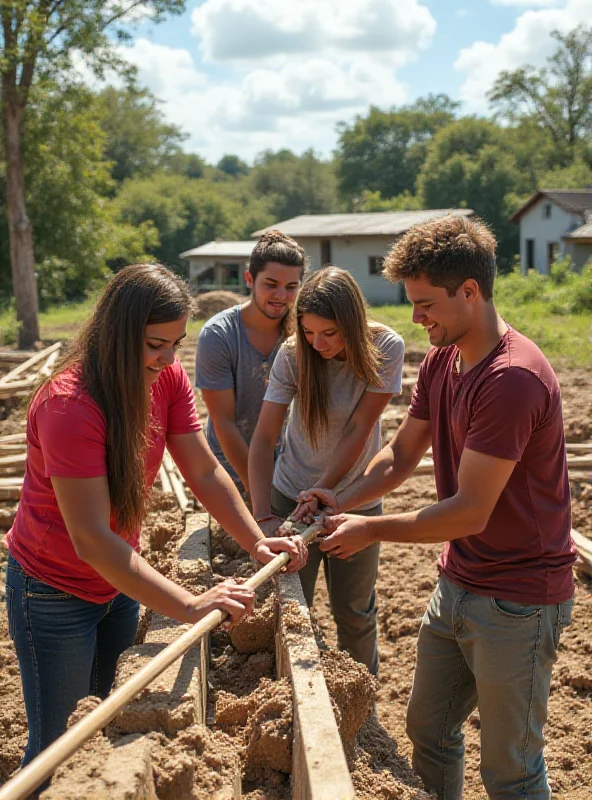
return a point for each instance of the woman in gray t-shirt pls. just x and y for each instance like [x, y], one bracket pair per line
[336, 375]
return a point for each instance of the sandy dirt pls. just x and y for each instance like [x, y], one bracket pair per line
[380, 761]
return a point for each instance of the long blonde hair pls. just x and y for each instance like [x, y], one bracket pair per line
[109, 355]
[333, 294]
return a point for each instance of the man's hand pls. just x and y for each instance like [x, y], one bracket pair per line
[309, 501]
[349, 533]
[266, 549]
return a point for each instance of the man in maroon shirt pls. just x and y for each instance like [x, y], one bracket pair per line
[489, 403]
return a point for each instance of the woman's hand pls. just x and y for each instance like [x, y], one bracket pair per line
[266, 549]
[237, 599]
[310, 500]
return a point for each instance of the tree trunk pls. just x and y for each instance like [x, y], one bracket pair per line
[24, 284]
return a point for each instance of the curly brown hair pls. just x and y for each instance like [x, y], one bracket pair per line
[447, 251]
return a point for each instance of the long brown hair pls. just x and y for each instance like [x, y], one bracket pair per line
[333, 294]
[109, 354]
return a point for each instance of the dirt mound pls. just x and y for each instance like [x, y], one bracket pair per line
[209, 303]
[352, 689]
[256, 633]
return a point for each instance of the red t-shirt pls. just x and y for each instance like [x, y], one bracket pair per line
[66, 435]
[508, 406]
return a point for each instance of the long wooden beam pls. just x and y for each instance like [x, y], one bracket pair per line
[45, 764]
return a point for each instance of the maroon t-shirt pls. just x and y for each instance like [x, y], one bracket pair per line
[508, 406]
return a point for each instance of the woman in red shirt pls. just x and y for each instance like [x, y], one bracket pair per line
[96, 434]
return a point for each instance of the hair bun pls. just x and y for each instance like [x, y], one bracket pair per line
[274, 236]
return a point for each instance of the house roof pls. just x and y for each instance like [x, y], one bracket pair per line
[217, 249]
[379, 223]
[583, 232]
[574, 201]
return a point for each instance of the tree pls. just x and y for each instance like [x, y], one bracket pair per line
[469, 166]
[68, 180]
[559, 96]
[294, 184]
[37, 38]
[232, 165]
[383, 151]
[138, 140]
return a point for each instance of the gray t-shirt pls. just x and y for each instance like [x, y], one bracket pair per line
[300, 465]
[225, 359]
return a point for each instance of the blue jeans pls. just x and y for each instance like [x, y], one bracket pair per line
[350, 584]
[498, 655]
[67, 648]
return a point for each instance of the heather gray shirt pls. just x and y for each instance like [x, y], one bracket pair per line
[300, 465]
[225, 359]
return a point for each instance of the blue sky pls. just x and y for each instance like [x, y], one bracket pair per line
[239, 76]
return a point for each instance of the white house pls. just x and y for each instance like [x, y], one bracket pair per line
[358, 242]
[555, 222]
[218, 265]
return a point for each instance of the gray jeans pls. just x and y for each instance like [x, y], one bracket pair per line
[350, 583]
[492, 653]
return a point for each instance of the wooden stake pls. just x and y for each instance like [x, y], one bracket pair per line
[584, 546]
[46, 763]
[22, 368]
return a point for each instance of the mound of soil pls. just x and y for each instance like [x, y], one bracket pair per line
[209, 303]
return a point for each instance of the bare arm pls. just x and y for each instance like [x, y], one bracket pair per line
[387, 470]
[481, 480]
[357, 431]
[261, 463]
[221, 407]
[212, 485]
[85, 506]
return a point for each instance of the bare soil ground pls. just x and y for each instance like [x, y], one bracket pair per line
[406, 579]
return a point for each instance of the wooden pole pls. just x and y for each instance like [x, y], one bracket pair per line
[46, 763]
[164, 480]
[40, 356]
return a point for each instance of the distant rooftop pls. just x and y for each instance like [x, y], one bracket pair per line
[221, 249]
[583, 232]
[379, 223]
[574, 201]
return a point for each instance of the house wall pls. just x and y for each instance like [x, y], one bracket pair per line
[534, 225]
[353, 253]
[580, 253]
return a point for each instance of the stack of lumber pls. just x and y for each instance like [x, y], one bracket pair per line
[171, 482]
[19, 381]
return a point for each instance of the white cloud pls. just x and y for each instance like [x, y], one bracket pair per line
[256, 30]
[527, 3]
[529, 42]
[292, 70]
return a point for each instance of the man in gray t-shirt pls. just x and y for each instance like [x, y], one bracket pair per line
[236, 349]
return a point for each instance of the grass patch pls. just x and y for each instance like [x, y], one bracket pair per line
[564, 338]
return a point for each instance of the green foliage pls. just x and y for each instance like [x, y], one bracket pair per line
[137, 140]
[383, 151]
[558, 97]
[563, 292]
[467, 166]
[577, 175]
[294, 185]
[373, 201]
[232, 165]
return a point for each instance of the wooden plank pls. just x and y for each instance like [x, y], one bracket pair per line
[13, 461]
[584, 547]
[13, 437]
[10, 488]
[579, 462]
[164, 480]
[319, 767]
[579, 447]
[42, 355]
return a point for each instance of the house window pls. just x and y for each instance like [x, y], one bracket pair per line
[552, 253]
[325, 252]
[530, 254]
[547, 211]
[375, 265]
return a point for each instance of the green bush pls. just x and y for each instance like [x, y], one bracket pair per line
[563, 290]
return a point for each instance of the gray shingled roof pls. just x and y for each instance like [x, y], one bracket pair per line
[574, 201]
[221, 250]
[379, 223]
[583, 232]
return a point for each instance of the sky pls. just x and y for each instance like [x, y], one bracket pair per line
[241, 76]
